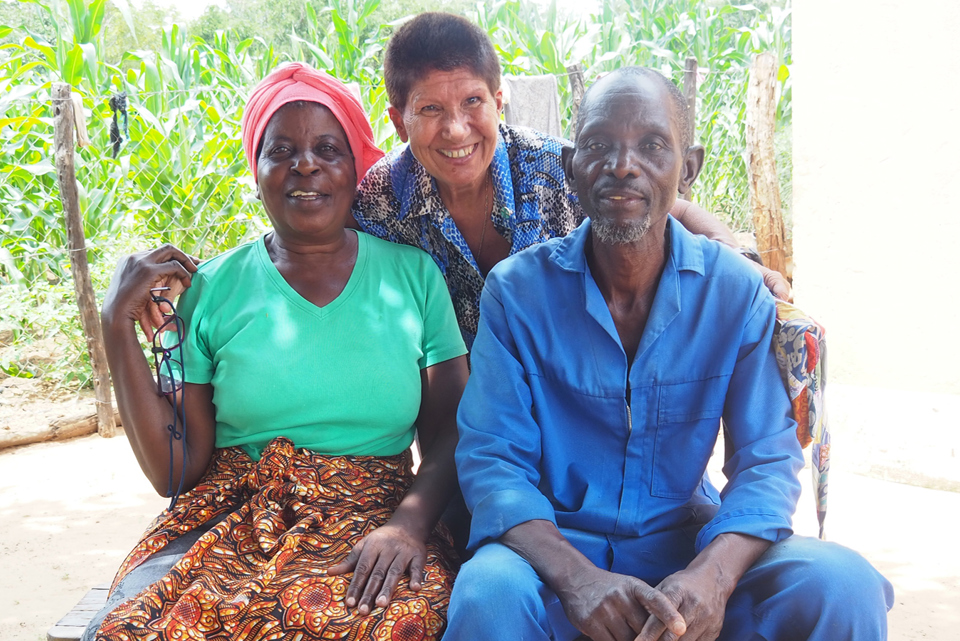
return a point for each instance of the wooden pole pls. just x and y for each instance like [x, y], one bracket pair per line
[575, 78]
[762, 165]
[690, 91]
[63, 126]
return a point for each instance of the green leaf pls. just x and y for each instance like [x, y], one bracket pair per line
[368, 8]
[243, 45]
[148, 61]
[72, 72]
[5, 30]
[94, 19]
[78, 18]
[24, 70]
[49, 11]
[548, 54]
[14, 370]
[40, 168]
[124, 7]
[20, 93]
[341, 27]
[90, 62]
[324, 61]
[10, 265]
[48, 52]
[783, 73]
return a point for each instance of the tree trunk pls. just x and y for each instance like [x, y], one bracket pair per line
[762, 166]
[64, 124]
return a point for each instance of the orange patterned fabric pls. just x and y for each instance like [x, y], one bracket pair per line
[801, 349]
[260, 574]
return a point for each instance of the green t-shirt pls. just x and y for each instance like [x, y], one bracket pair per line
[339, 379]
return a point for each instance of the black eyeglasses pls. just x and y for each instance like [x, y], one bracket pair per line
[168, 364]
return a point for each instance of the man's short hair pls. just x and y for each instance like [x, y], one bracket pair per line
[680, 108]
[436, 41]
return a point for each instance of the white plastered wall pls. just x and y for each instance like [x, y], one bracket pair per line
[877, 220]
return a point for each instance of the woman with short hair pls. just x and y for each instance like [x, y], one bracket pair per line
[466, 188]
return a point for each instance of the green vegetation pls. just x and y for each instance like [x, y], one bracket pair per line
[178, 173]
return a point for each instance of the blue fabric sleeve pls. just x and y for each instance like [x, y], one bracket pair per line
[762, 487]
[499, 451]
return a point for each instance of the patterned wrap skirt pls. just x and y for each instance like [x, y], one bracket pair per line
[260, 572]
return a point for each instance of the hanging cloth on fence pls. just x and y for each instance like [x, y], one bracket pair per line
[532, 101]
[118, 104]
[80, 120]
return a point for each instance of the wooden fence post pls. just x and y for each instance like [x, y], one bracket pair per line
[690, 91]
[575, 78]
[63, 126]
[762, 166]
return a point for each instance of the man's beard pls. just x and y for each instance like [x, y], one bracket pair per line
[613, 232]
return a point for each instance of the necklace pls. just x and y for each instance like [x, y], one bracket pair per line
[486, 216]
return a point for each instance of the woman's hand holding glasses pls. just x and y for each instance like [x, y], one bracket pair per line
[129, 295]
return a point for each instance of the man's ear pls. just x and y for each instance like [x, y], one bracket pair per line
[692, 164]
[397, 119]
[566, 157]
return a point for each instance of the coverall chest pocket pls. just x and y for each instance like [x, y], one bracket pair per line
[688, 421]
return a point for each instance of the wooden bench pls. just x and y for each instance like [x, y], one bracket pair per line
[72, 625]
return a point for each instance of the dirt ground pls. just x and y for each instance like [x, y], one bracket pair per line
[27, 406]
[71, 510]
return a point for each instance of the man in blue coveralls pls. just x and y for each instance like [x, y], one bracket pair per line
[602, 367]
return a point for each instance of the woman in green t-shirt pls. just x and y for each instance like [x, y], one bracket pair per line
[311, 358]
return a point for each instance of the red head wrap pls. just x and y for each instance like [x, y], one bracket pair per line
[297, 81]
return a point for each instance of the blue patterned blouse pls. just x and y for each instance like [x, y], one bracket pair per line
[398, 201]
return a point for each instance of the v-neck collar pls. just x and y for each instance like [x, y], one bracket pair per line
[292, 295]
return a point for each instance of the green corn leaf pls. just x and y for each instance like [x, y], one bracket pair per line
[90, 62]
[41, 168]
[368, 8]
[324, 61]
[124, 7]
[72, 71]
[16, 94]
[24, 70]
[78, 19]
[49, 53]
[243, 45]
[94, 19]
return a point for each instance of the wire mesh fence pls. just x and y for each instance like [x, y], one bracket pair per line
[163, 166]
[165, 161]
[160, 167]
